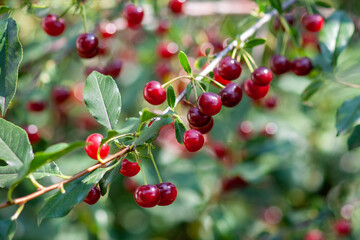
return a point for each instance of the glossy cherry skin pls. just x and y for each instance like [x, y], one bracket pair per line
[209, 103]
[167, 49]
[176, 6]
[231, 95]
[60, 94]
[301, 66]
[219, 79]
[134, 15]
[343, 227]
[196, 118]
[279, 64]
[114, 68]
[93, 196]
[193, 140]
[255, 91]
[154, 93]
[229, 69]
[168, 193]
[314, 234]
[92, 145]
[53, 25]
[262, 76]
[147, 196]
[33, 134]
[313, 23]
[204, 129]
[35, 106]
[129, 169]
[87, 45]
[107, 29]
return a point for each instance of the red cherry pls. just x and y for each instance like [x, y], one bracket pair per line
[204, 129]
[92, 145]
[288, 17]
[279, 64]
[218, 78]
[167, 50]
[134, 15]
[229, 68]
[162, 70]
[93, 196]
[168, 193]
[245, 130]
[271, 102]
[343, 227]
[114, 68]
[33, 133]
[231, 95]
[262, 76]
[313, 23]
[35, 106]
[219, 149]
[147, 196]
[314, 234]
[232, 183]
[60, 94]
[103, 48]
[301, 66]
[196, 118]
[107, 29]
[176, 6]
[193, 140]
[163, 27]
[255, 91]
[129, 169]
[154, 93]
[209, 103]
[87, 45]
[53, 25]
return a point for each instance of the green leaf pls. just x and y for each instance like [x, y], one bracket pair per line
[347, 114]
[147, 115]
[150, 132]
[335, 36]
[310, 90]
[277, 5]
[4, 9]
[354, 139]
[207, 51]
[7, 229]
[180, 129]
[254, 42]
[200, 62]
[188, 91]
[108, 178]
[130, 126]
[103, 99]
[184, 62]
[11, 54]
[323, 4]
[170, 97]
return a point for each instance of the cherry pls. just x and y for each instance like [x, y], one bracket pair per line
[313, 23]
[288, 17]
[103, 48]
[147, 196]
[162, 70]
[255, 91]
[114, 68]
[232, 183]
[218, 78]
[168, 193]
[193, 140]
[93, 196]
[262, 76]
[343, 227]
[167, 49]
[87, 45]
[129, 169]
[163, 27]
[279, 64]
[107, 29]
[92, 145]
[271, 102]
[301, 66]
[53, 25]
[219, 149]
[60, 94]
[35, 106]
[231, 95]
[209, 103]
[196, 118]
[229, 68]
[33, 133]
[204, 129]
[130, 185]
[134, 15]
[245, 130]
[176, 6]
[314, 234]
[154, 93]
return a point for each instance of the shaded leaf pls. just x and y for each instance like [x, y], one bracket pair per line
[277, 5]
[170, 97]
[4, 9]
[310, 90]
[323, 4]
[130, 126]
[184, 62]
[254, 42]
[347, 114]
[7, 229]
[152, 131]
[188, 91]
[180, 130]
[354, 139]
[147, 115]
[108, 178]
[200, 62]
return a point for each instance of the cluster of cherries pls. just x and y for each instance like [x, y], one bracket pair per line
[162, 194]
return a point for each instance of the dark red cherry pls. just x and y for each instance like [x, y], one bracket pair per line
[134, 15]
[262, 76]
[231, 95]
[279, 64]
[219, 149]
[87, 45]
[229, 68]
[60, 94]
[33, 133]
[343, 227]
[288, 17]
[176, 6]
[113, 68]
[163, 27]
[196, 118]
[314, 234]
[209, 103]
[107, 29]
[167, 49]
[204, 129]
[129, 169]
[271, 102]
[245, 130]
[168, 193]
[193, 140]
[93, 142]
[313, 23]
[35, 106]
[301, 66]
[93, 196]
[232, 183]
[53, 25]
[255, 91]
[147, 196]
[219, 79]
[154, 93]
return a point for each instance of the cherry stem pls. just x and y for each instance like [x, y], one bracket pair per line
[250, 58]
[288, 31]
[153, 161]
[284, 44]
[83, 14]
[18, 212]
[248, 62]
[35, 183]
[202, 89]
[66, 10]
[141, 167]
[233, 55]
[214, 81]
[308, 7]
[175, 79]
